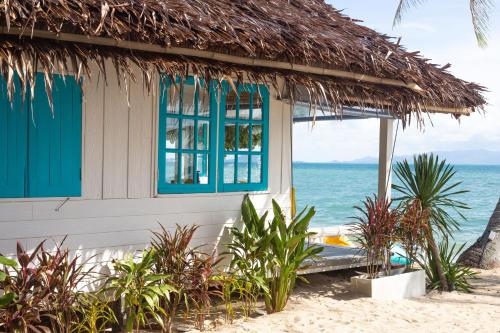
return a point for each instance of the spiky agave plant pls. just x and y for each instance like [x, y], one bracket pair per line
[457, 276]
[429, 182]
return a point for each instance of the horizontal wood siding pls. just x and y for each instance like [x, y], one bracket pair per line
[118, 208]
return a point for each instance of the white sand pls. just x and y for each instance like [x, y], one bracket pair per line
[327, 305]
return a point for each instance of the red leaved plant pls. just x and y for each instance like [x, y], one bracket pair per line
[44, 287]
[375, 230]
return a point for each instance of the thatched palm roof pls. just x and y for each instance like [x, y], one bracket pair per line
[303, 32]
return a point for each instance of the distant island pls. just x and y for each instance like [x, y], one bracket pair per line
[471, 157]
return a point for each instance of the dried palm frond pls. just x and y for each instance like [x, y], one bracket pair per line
[26, 56]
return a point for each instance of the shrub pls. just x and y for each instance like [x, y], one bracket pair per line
[375, 232]
[40, 290]
[429, 185]
[412, 230]
[141, 290]
[457, 276]
[268, 255]
[189, 272]
[93, 315]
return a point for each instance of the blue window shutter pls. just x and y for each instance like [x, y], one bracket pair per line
[54, 148]
[13, 143]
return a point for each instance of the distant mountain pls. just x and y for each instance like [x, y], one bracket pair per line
[480, 156]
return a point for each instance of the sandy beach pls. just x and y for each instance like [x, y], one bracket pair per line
[327, 305]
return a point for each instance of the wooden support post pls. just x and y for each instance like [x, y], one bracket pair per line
[384, 158]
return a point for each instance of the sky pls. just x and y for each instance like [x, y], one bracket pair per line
[442, 31]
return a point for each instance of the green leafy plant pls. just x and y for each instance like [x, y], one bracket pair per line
[92, 314]
[40, 291]
[189, 272]
[457, 276]
[246, 292]
[289, 251]
[141, 290]
[268, 255]
[429, 185]
[250, 250]
[7, 298]
[375, 230]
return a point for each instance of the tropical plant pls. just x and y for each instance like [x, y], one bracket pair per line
[485, 252]
[40, 291]
[93, 314]
[7, 297]
[250, 251]
[189, 272]
[289, 251]
[412, 230]
[375, 230]
[63, 276]
[232, 285]
[429, 186]
[479, 10]
[457, 276]
[269, 255]
[141, 290]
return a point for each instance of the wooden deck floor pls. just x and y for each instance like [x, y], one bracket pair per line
[334, 258]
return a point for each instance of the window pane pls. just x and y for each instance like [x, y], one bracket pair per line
[188, 134]
[202, 169]
[171, 168]
[256, 106]
[172, 136]
[188, 98]
[231, 103]
[242, 169]
[256, 137]
[203, 134]
[244, 132]
[203, 103]
[173, 99]
[228, 169]
[229, 137]
[187, 168]
[244, 105]
[256, 172]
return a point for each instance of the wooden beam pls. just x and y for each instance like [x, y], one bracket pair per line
[129, 45]
[77, 38]
[384, 158]
[425, 108]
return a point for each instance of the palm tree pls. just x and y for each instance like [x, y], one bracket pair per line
[479, 10]
[485, 252]
[428, 185]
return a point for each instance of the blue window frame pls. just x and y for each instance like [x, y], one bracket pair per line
[243, 138]
[187, 136]
[40, 148]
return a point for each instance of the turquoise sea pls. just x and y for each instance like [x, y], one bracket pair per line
[334, 188]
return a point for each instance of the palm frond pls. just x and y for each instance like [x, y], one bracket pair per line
[479, 10]
[403, 7]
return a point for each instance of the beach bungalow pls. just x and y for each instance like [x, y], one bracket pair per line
[119, 115]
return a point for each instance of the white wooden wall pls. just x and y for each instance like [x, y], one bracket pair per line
[118, 208]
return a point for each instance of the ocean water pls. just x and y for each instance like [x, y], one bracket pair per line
[334, 189]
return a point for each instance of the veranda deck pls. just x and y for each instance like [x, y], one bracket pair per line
[334, 258]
